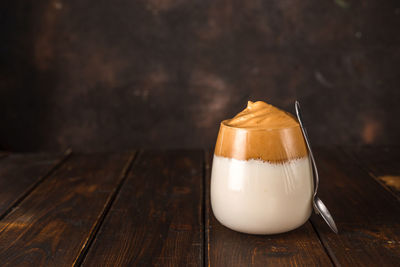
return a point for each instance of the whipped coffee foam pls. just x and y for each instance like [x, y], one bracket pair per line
[261, 131]
[261, 115]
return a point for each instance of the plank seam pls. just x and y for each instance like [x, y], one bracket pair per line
[207, 170]
[30, 189]
[203, 213]
[326, 247]
[370, 172]
[107, 207]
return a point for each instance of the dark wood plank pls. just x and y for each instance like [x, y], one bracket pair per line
[52, 226]
[382, 163]
[368, 216]
[19, 173]
[157, 217]
[300, 247]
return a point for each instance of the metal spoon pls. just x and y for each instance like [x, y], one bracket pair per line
[319, 206]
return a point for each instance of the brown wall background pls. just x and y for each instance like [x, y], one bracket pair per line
[110, 75]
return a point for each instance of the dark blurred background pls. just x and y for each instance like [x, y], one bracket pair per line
[110, 75]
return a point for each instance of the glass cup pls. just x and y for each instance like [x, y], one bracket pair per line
[261, 180]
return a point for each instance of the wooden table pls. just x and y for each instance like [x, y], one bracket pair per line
[152, 208]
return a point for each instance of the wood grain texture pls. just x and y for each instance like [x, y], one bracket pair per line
[157, 217]
[54, 223]
[367, 215]
[300, 247]
[90, 210]
[382, 163]
[19, 173]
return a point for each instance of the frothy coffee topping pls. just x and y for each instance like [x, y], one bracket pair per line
[261, 115]
[261, 131]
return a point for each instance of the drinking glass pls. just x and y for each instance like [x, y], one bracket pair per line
[261, 179]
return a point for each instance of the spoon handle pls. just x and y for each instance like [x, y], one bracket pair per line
[319, 206]
[298, 113]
